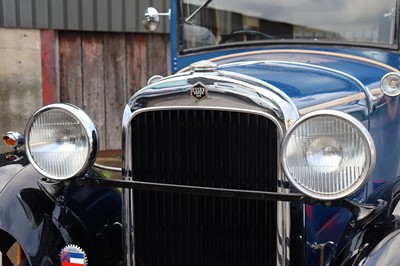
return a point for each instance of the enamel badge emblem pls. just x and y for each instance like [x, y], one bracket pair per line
[199, 91]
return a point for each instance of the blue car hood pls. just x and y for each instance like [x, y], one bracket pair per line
[312, 79]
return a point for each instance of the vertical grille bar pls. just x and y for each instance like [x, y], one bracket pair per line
[204, 148]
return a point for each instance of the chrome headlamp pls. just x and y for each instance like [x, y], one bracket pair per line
[328, 155]
[61, 141]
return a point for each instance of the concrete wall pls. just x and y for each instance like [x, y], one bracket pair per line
[20, 78]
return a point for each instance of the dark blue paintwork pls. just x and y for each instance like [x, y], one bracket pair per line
[308, 85]
[322, 74]
[298, 75]
[314, 79]
[302, 83]
[365, 72]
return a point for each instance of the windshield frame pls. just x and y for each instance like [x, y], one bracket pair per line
[181, 21]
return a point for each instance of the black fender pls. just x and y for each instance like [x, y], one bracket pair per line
[99, 211]
[378, 241]
[386, 252]
[43, 223]
[26, 214]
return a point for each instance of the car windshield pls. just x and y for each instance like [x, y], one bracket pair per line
[217, 22]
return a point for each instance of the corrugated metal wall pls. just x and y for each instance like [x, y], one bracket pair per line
[86, 15]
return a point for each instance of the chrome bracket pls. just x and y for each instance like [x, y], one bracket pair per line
[321, 247]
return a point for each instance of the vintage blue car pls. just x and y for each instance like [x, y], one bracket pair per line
[275, 142]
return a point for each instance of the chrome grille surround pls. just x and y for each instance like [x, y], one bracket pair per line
[226, 92]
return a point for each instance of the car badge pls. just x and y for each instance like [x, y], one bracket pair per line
[199, 91]
[72, 255]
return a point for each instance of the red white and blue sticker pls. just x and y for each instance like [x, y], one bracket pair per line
[72, 255]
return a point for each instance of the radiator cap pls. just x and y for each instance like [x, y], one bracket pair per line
[204, 66]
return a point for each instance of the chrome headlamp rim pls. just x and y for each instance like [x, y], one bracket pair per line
[87, 124]
[390, 84]
[364, 134]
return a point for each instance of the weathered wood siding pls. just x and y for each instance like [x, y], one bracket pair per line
[100, 71]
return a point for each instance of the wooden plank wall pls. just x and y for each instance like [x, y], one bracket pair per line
[100, 71]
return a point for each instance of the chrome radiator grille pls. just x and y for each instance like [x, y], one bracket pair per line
[205, 148]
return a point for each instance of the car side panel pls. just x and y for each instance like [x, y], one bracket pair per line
[82, 215]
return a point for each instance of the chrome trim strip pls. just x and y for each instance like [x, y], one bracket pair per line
[225, 89]
[211, 108]
[371, 98]
[300, 51]
[376, 94]
[128, 215]
[283, 208]
[107, 168]
[287, 105]
[205, 191]
[333, 103]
